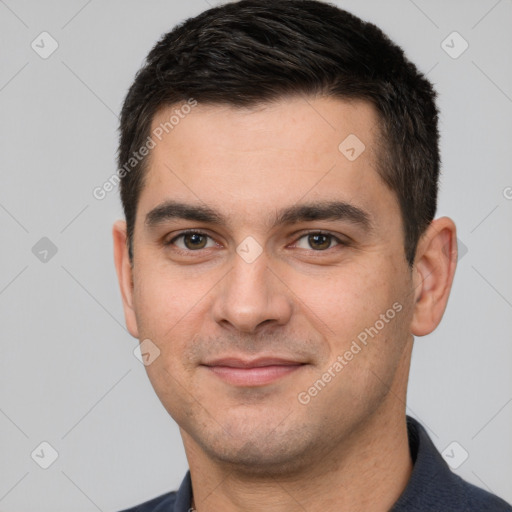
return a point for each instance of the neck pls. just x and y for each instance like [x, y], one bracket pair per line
[367, 471]
[369, 476]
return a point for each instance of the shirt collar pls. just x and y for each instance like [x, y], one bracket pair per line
[430, 473]
[431, 478]
[183, 501]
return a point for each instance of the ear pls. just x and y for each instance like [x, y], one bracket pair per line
[434, 268]
[124, 275]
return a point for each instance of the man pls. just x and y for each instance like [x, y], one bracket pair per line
[279, 166]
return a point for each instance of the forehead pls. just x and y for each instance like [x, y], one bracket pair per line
[246, 160]
[300, 124]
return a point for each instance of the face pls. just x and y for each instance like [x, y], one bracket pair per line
[283, 319]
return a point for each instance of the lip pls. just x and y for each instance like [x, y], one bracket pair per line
[237, 362]
[255, 372]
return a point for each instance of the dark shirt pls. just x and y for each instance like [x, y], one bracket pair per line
[431, 488]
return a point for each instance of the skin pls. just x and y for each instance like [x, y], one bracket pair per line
[255, 448]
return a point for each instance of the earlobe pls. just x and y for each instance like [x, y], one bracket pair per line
[434, 269]
[124, 275]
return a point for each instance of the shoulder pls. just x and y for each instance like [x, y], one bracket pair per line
[433, 486]
[475, 498]
[161, 503]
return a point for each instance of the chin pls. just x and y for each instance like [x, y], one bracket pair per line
[262, 453]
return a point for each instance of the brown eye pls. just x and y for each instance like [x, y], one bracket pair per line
[318, 241]
[191, 241]
[194, 241]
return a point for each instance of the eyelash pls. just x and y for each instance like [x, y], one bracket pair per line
[313, 232]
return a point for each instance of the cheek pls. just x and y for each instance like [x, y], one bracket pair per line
[168, 310]
[342, 303]
[165, 305]
[360, 313]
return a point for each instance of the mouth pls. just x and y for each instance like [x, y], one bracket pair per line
[256, 372]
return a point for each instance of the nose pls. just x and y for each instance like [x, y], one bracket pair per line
[252, 296]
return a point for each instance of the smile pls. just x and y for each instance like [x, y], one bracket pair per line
[255, 373]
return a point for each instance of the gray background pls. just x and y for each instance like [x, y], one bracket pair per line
[68, 375]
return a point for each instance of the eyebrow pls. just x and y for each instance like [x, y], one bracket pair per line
[323, 210]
